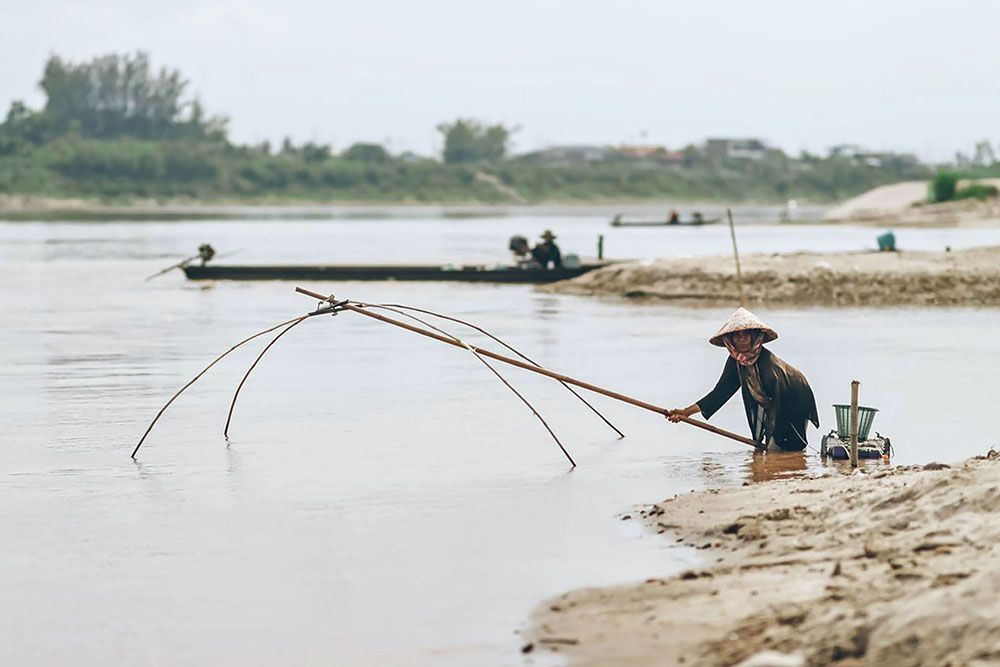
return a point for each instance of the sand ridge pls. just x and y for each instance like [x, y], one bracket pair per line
[959, 278]
[898, 566]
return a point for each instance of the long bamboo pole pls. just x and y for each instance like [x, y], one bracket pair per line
[736, 254]
[854, 423]
[528, 367]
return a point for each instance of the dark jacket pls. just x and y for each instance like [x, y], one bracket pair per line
[791, 398]
[543, 253]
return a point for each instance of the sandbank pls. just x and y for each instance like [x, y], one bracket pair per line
[905, 205]
[897, 566]
[959, 278]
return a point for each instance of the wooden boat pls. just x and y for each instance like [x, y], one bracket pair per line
[664, 223]
[467, 273]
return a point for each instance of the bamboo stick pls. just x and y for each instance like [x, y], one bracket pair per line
[206, 369]
[509, 347]
[854, 423]
[534, 369]
[736, 254]
[236, 395]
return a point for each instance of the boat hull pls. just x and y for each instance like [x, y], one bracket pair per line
[419, 273]
[662, 223]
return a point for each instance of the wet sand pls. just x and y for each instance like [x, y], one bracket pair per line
[897, 566]
[959, 278]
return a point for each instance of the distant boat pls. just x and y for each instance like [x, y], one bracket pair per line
[468, 273]
[694, 222]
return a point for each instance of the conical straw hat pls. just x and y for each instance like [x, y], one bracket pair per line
[742, 320]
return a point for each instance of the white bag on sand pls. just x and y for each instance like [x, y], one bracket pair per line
[773, 659]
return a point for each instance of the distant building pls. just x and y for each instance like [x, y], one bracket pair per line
[572, 154]
[641, 152]
[650, 153]
[846, 150]
[746, 149]
[861, 155]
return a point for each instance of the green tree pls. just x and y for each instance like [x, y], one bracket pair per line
[468, 140]
[118, 95]
[21, 127]
[370, 153]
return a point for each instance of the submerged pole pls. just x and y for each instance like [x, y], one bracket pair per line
[600, 246]
[854, 423]
[529, 367]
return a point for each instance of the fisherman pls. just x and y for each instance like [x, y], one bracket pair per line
[776, 396]
[547, 251]
[205, 253]
[674, 218]
[522, 252]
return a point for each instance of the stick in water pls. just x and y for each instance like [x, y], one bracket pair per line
[229, 418]
[346, 305]
[485, 363]
[512, 349]
[205, 370]
[736, 254]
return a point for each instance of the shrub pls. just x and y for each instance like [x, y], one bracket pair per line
[980, 191]
[944, 186]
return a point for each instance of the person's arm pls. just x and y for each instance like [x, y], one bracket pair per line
[556, 257]
[724, 389]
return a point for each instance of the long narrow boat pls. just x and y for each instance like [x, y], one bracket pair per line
[664, 223]
[468, 273]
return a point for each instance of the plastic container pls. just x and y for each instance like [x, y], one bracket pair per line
[865, 418]
[887, 242]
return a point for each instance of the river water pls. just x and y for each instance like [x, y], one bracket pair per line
[382, 498]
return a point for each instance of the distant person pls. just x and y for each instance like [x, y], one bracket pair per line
[547, 252]
[776, 396]
[522, 251]
[674, 218]
[697, 218]
[205, 253]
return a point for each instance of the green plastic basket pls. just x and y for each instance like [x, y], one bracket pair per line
[865, 418]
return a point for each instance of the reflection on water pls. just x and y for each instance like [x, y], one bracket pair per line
[768, 466]
[383, 499]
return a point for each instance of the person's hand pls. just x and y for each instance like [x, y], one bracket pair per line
[678, 414]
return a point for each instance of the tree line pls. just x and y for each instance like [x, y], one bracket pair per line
[116, 127]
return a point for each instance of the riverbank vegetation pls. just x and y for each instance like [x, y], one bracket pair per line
[115, 129]
[946, 186]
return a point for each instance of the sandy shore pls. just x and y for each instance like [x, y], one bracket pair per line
[898, 566]
[904, 205]
[960, 278]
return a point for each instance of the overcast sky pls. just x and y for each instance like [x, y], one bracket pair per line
[891, 74]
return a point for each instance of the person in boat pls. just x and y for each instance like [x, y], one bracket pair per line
[776, 395]
[674, 218]
[522, 252]
[547, 252]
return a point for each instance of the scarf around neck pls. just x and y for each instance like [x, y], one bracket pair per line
[748, 358]
[748, 363]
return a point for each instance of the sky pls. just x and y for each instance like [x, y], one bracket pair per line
[902, 75]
